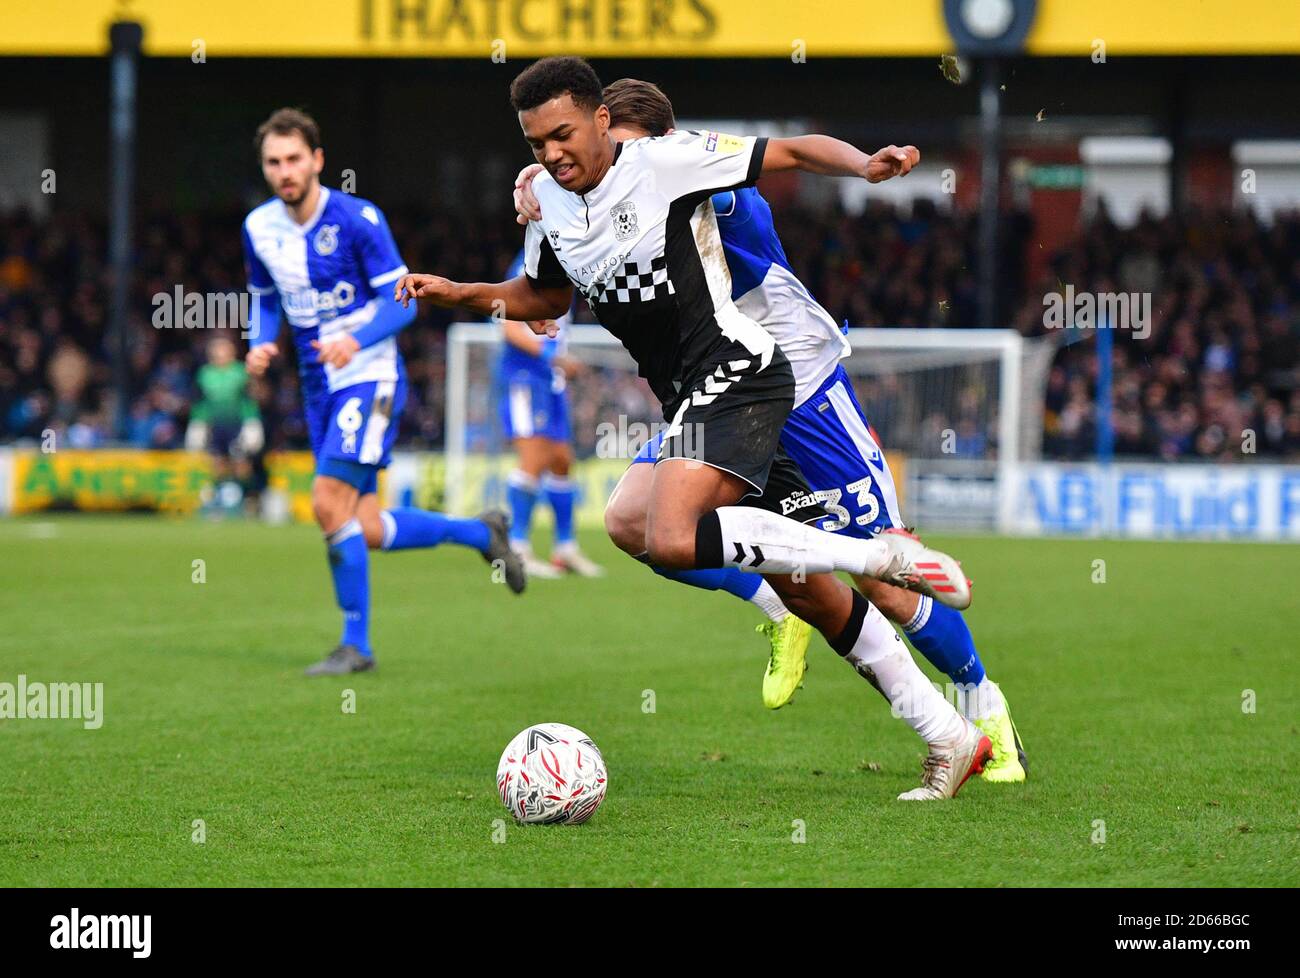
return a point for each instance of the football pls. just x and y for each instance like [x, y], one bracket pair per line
[551, 774]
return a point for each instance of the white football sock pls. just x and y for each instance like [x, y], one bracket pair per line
[522, 480]
[882, 659]
[755, 540]
[984, 701]
[769, 602]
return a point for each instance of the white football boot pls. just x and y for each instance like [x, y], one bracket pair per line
[569, 559]
[948, 766]
[533, 565]
[916, 567]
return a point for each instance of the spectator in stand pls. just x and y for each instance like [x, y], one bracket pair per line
[1222, 358]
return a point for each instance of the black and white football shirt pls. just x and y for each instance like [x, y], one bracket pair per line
[643, 247]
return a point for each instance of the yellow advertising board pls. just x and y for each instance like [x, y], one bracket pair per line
[508, 30]
[482, 484]
[291, 473]
[121, 480]
[109, 480]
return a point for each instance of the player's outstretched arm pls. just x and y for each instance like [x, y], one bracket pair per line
[517, 298]
[833, 157]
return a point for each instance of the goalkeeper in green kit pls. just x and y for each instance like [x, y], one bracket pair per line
[225, 422]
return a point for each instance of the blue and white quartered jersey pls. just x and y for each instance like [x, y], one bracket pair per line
[765, 289]
[331, 275]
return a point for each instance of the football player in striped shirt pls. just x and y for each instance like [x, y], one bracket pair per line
[827, 435]
[323, 257]
[632, 226]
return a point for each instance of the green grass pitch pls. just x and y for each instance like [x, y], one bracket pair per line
[1129, 695]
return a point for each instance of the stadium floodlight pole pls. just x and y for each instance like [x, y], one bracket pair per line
[125, 39]
[990, 189]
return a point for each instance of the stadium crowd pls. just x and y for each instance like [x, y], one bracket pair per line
[1216, 377]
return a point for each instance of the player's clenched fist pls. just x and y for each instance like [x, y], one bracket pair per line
[892, 161]
[435, 288]
[259, 358]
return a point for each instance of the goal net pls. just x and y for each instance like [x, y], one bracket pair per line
[953, 408]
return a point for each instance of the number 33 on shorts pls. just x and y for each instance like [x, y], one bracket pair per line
[855, 509]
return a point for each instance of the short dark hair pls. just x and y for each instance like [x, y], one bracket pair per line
[550, 78]
[632, 102]
[285, 122]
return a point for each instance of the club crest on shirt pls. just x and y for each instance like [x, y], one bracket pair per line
[624, 216]
[326, 240]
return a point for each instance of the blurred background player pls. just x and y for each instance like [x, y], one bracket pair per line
[828, 437]
[225, 421]
[323, 255]
[532, 374]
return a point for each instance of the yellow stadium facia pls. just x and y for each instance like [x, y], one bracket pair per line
[520, 29]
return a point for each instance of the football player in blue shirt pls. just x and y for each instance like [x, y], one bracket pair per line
[532, 372]
[324, 256]
[827, 435]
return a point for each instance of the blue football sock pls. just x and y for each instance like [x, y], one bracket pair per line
[940, 634]
[521, 494]
[560, 493]
[349, 563]
[406, 528]
[729, 579]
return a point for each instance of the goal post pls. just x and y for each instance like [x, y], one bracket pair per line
[478, 455]
[948, 407]
[955, 409]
